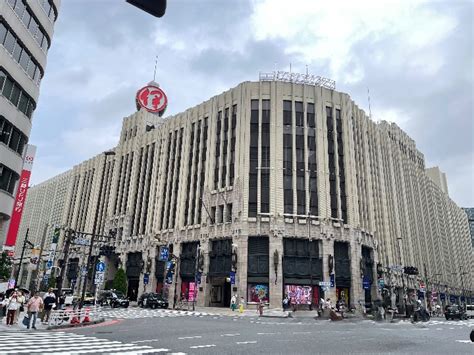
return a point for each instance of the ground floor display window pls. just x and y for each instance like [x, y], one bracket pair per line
[299, 294]
[257, 292]
[342, 293]
[188, 291]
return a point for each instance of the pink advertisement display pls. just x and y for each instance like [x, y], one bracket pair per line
[192, 292]
[300, 294]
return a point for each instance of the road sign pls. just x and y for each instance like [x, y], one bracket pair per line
[46, 278]
[164, 253]
[99, 278]
[198, 278]
[324, 283]
[146, 279]
[332, 280]
[381, 283]
[11, 283]
[49, 264]
[100, 267]
[366, 283]
[232, 278]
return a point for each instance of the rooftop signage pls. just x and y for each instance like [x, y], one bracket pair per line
[152, 99]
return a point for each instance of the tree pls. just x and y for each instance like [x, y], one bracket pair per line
[120, 281]
[5, 266]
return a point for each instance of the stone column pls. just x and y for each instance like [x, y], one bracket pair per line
[241, 243]
[328, 249]
[276, 279]
[204, 288]
[357, 291]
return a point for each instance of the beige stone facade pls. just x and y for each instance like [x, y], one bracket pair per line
[285, 184]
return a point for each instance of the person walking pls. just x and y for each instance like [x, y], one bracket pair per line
[34, 305]
[12, 307]
[233, 302]
[21, 299]
[49, 301]
[241, 305]
[260, 306]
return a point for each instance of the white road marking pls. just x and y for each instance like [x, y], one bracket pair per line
[267, 333]
[301, 332]
[202, 346]
[145, 341]
[193, 337]
[246, 342]
[230, 335]
[465, 341]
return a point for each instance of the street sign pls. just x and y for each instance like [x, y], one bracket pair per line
[100, 267]
[232, 278]
[324, 283]
[49, 264]
[146, 279]
[46, 278]
[332, 280]
[82, 241]
[11, 283]
[366, 283]
[381, 283]
[164, 254]
[99, 278]
[198, 278]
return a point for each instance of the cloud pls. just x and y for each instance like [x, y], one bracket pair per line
[415, 56]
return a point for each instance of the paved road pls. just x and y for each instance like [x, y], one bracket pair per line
[211, 334]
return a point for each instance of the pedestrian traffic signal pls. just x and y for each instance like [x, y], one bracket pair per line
[156, 8]
[56, 233]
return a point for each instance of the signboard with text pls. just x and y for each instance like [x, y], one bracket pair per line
[20, 198]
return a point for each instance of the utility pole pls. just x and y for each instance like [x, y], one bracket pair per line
[43, 238]
[21, 257]
[196, 265]
[67, 243]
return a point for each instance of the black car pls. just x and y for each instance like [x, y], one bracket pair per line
[113, 299]
[152, 300]
[454, 311]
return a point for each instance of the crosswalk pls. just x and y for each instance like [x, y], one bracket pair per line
[67, 343]
[137, 313]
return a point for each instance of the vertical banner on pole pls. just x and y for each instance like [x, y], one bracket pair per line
[20, 198]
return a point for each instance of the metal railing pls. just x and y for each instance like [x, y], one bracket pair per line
[75, 316]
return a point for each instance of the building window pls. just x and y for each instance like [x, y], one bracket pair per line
[224, 148]
[11, 136]
[299, 114]
[253, 168]
[31, 23]
[229, 213]
[232, 145]
[203, 168]
[190, 166]
[213, 214]
[220, 216]
[332, 162]
[217, 149]
[265, 158]
[14, 93]
[8, 179]
[310, 115]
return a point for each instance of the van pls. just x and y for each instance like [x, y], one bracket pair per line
[470, 310]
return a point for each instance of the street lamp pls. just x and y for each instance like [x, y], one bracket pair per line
[22, 255]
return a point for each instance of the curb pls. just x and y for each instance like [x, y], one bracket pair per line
[62, 326]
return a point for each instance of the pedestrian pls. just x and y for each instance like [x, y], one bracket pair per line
[233, 302]
[260, 306]
[3, 306]
[293, 303]
[285, 302]
[12, 307]
[34, 305]
[22, 301]
[49, 301]
[241, 305]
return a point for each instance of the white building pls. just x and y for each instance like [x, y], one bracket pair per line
[26, 30]
[289, 185]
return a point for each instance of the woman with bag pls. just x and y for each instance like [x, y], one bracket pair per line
[12, 307]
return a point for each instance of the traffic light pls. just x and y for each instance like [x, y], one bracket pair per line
[410, 270]
[56, 233]
[156, 8]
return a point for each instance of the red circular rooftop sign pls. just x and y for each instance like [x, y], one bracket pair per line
[152, 99]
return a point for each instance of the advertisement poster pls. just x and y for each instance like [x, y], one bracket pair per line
[300, 294]
[257, 293]
[192, 292]
[20, 198]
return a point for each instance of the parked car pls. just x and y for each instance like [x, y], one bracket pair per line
[152, 300]
[454, 311]
[89, 299]
[113, 299]
[470, 310]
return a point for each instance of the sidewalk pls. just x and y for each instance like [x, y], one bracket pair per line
[20, 326]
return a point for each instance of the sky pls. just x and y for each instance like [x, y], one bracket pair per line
[415, 57]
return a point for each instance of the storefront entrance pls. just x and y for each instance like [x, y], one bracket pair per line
[220, 292]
